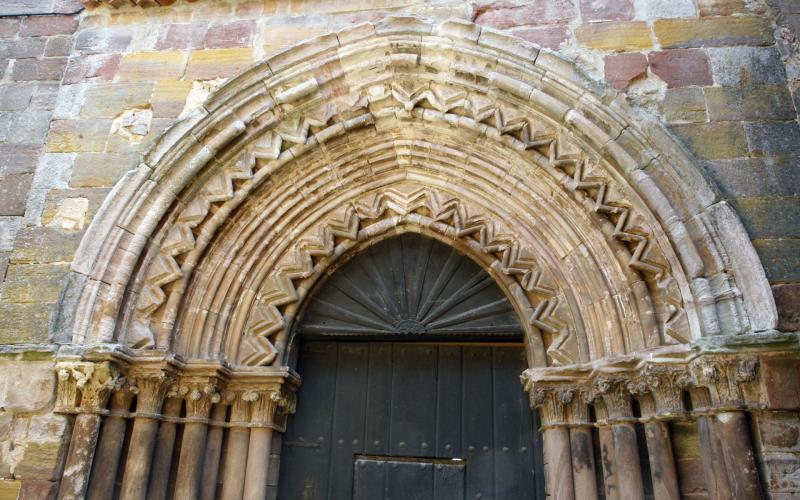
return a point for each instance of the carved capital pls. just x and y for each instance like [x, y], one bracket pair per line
[87, 382]
[615, 395]
[723, 378]
[198, 394]
[660, 389]
[272, 408]
[150, 389]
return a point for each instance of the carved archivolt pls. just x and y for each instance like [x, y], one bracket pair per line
[265, 186]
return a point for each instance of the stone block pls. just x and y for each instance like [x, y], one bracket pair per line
[509, 14]
[67, 136]
[9, 489]
[26, 386]
[746, 177]
[169, 98]
[733, 66]
[23, 48]
[691, 478]
[656, 9]
[684, 105]
[51, 68]
[151, 66]
[218, 63]
[230, 34]
[103, 40]
[781, 259]
[38, 489]
[770, 216]
[16, 96]
[9, 227]
[100, 169]
[182, 36]
[33, 282]
[29, 128]
[45, 97]
[14, 190]
[713, 32]
[9, 26]
[764, 102]
[787, 300]
[782, 471]
[277, 37]
[721, 7]
[714, 140]
[41, 460]
[605, 10]
[44, 245]
[778, 431]
[48, 25]
[775, 139]
[25, 323]
[622, 69]
[550, 37]
[108, 100]
[58, 46]
[99, 67]
[72, 209]
[615, 36]
[681, 67]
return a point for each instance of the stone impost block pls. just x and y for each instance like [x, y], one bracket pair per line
[615, 36]
[713, 32]
[151, 66]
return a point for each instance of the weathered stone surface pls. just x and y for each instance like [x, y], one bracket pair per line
[111, 99]
[781, 259]
[615, 36]
[787, 299]
[9, 489]
[622, 69]
[733, 66]
[230, 34]
[25, 323]
[44, 245]
[509, 14]
[770, 217]
[48, 25]
[550, 37]
[681, 67]
[747, 177]
[51, 68]
[68, 136]
[656, 9]
[103, 40]
[601, 10]
[14, 193]
[33, 282]
[749, 103]
[774, 139]
[26, 386]
[684, 105]
[217, 63]
[714, 140]
[721, 7]
[150, 66]
[100, 169]
[713, 32]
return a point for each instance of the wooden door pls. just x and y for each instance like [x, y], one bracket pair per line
[406, 420]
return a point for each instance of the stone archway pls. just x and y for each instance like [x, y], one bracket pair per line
[586, 212]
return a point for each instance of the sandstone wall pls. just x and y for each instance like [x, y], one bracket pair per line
[84, 91]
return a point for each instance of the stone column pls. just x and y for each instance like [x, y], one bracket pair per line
[95, 381]
[555, 434]
[581, 447]
[626, 450]
[165, 443]
[660, 400]
[151, 388]
[714, 470]
[190, 465]
[238, 442]
[109, 446]
[264, 416]
[208, 487]
[606, 443]
[723, 378]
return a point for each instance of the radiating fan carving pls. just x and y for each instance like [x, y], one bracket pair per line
[411, 285]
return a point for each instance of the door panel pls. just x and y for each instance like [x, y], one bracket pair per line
[415, 406]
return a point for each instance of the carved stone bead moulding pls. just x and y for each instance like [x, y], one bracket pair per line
[596, 224]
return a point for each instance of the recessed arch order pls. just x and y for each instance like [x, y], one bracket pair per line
[595, 222]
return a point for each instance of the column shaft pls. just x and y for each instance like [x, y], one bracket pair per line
[140, 456]
[208, 488]
[190, 464]
[713, 460]
[79, 457]
[626, 456]
[583, 467]
[255, 487]
[109, 449]
[737, 451]
[558, 463]
[662, 461]
[235, 463]
[606, 440]
[162, 459]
